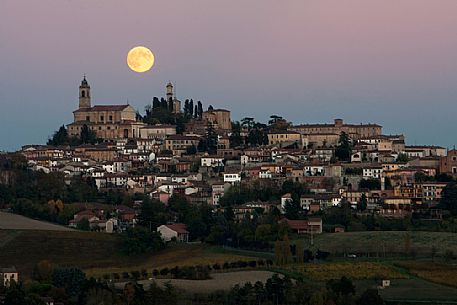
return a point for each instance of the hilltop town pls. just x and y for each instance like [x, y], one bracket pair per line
[202, 155]
[184, 176]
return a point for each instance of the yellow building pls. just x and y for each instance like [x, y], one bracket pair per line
[353, 130]
[285, 138]
[109, 122]
[178, 144]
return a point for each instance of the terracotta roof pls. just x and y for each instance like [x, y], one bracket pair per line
[296, 224]
[178, 227]
[103, 108]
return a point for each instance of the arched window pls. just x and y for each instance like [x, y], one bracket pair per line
[83, 93]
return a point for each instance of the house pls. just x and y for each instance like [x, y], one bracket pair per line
[212, 161]
[311, 225]
[373, 171]
[85, 214]
[306, 201]
[232, 178]
[178, 144]
[9, 274]
[217, 191]
[286, 198]
[176, 230]
[448, 163]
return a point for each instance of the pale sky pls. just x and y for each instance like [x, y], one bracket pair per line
[393, 62]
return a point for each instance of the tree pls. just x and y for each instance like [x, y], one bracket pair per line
[235, 138]
[87, 136]
[15, 295]
[191, 150]
[140, 240]
[371, 184]
[343, 151]
[83, 225]
[402, 157]
[278, 123]
[362, 204]
[449, 198]
[292, 209]
[370, 296]
[209, 142]
[191, 107]
[342, 286]
[152, 214]
[42, 272]
[247, 122]
[71, 279]
[60, 137]
[199, 109]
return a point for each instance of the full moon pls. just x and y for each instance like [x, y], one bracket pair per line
[140, 59]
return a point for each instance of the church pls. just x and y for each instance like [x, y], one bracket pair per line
[109, 122]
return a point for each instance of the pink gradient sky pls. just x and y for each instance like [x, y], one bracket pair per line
[392, 62]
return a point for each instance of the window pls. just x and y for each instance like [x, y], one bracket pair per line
[102, 118]
[111, 118]
[83, 93]
[88, 118]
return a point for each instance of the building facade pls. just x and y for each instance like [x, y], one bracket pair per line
[353, 130]
[109, 122]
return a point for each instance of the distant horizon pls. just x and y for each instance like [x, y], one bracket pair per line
[308, 61]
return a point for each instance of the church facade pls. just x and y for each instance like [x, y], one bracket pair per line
[109, 122]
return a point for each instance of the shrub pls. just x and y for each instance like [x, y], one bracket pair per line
[164, 271]
[144, 273]
[155, 272]
[135, 274]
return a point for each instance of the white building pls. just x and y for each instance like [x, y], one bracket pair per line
[232, 178]
[8, 275]
[212, 162]
[176, 231]
[372, 172]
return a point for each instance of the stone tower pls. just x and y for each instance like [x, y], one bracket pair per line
[169, 91]
[84, 94]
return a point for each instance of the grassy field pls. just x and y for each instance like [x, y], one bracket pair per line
[353, 270]
[431, 271]
[380, 242]
[219, 281]
[179, 255]
[96, 253]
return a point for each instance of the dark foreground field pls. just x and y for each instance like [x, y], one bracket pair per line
[98, 254]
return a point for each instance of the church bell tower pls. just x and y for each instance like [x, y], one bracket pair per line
[84, 94]
[169, 91]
